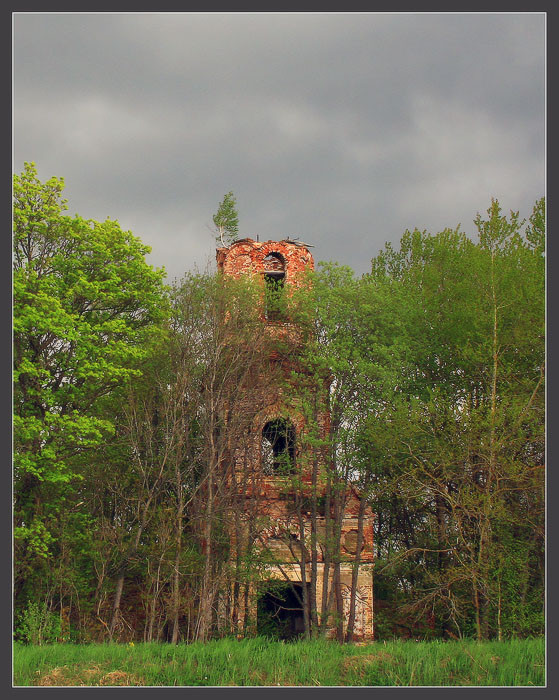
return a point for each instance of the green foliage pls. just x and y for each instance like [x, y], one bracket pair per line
[264, 662]
[226, 220]
[275, 300]
[38, 625]
[87, 308]
[461, 513]
[129, 400]
[436, 397]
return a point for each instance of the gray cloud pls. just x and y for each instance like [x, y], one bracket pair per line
[344, 129]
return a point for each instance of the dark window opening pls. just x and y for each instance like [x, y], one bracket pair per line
[280, 610]
[274, 278]
[278, 447]
[274, 262]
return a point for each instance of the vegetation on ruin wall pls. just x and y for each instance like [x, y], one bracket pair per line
[129, 397]
[263, 662]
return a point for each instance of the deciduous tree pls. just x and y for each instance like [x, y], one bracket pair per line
[86, 305]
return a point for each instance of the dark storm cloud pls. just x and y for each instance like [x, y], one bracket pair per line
[343, 129]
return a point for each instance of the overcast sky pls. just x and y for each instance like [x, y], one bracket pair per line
[340, 129]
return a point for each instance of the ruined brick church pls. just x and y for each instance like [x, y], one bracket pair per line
[276, 438]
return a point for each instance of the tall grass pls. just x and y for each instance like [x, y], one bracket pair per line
[263, 662]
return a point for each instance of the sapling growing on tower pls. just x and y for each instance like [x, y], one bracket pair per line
[226, 220]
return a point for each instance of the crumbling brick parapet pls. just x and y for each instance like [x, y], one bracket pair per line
[248, 257]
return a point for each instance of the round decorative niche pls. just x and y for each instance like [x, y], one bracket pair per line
[350, 542]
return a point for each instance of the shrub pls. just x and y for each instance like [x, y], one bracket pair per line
[38, 625]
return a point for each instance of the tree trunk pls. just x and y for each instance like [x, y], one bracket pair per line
[314, 552]
[440, 514]
[326, 558]
[116, 604]
[337, 580]
[178, 549]
[303, 568]
[355, 572]
[206, 602]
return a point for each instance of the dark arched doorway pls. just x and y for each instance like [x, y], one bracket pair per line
[280, 610]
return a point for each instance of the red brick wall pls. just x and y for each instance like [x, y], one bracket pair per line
[247, 257]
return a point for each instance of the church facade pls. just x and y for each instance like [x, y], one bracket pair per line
[293, 521]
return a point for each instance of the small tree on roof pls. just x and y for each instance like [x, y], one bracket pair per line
[226, 220]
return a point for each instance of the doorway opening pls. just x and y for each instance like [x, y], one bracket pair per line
[280, 610]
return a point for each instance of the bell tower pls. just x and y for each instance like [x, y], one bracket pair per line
[289, 518]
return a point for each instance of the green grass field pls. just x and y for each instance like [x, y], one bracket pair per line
[263, 662]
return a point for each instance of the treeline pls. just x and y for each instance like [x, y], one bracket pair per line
[130, 400]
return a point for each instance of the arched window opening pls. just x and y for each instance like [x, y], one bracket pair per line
[274, 262]
[274, 278]
[278, 447]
